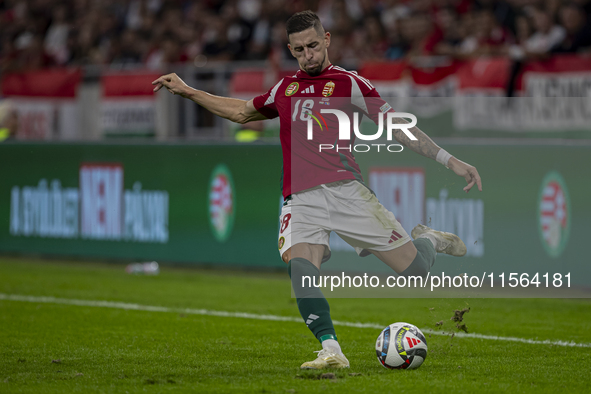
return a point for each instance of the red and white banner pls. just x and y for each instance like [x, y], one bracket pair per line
[45, 101]
[248, 83]
[553, 94]
[480, 101]
[128, 104]
[560, 76]
[549, 95]
[421, 90]
[483, 77]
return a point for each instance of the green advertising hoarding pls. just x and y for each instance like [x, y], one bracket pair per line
[531, 216]
[179, 203]
[219, 204]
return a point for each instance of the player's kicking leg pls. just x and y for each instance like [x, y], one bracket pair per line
[303, 266]
[417, 257]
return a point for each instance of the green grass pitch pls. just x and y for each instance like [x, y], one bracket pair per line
[48, 347]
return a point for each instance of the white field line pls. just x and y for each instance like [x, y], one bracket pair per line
[206, 312]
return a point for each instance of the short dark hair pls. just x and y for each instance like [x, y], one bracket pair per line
[302, 21]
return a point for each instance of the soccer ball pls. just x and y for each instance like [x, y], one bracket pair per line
[401, 346]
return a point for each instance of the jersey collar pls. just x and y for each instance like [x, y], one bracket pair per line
[303, 74]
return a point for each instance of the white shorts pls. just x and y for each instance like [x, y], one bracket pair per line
[349, 209]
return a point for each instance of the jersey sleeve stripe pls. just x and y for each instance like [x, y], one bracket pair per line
[357, 98]
[357, 76]
[271, 98]
[366, 80]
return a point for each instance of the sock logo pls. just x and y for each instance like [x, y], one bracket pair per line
[412, 342]
[394, 237]
[311, 318]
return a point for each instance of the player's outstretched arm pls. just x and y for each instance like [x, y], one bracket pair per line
[426, 147]
[239, 111]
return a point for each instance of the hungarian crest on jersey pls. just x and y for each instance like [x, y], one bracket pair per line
[292, 88]
[328, 89]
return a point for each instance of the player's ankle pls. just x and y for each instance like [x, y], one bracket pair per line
[329, 341]
[430, 237]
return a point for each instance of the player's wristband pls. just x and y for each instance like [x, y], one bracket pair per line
[443, 157]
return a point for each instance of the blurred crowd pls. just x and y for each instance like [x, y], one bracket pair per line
[153, 33]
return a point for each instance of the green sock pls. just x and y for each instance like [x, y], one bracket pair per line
[424, 260]
[311, 302]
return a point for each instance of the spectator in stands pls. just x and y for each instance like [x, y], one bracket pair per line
[34, 56]
[394, 11]
[546, 36]
[25, 31]
[335, 12]
[578, 30]
[56, 38]
[448, 23]
[552, 7]
[502, 10]
[83, 47]
[8, 55]
[168, 51]
[523, 29]
[107, 29]
[483, 35]
[358, 47]
[146, 27]
[158, 32]
[396, 46]
[170, 21]
[261, 35]
[217, 46]
[420, 35]
[138, 11]
[537, 45]
[238, 31]
[492, 37]
[128, 49]
[279, 51]
[585, 5]
[376, 42]
[467, 33]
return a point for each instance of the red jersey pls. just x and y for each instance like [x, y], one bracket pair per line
[295, 99]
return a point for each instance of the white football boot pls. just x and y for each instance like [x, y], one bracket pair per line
[327, 358]
[447, 243]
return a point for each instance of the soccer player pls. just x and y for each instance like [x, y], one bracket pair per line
[324, 191]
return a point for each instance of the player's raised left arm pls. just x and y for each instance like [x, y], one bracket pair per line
[425, 146]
